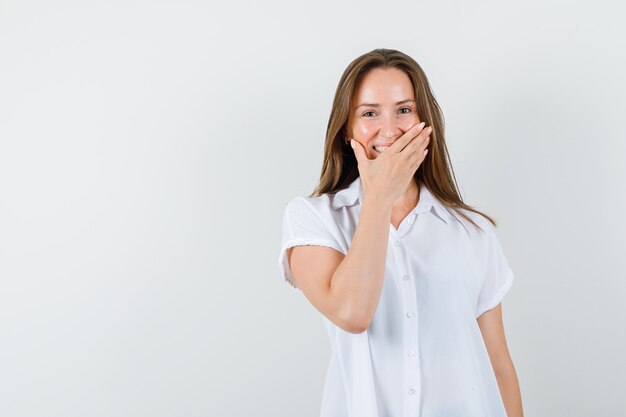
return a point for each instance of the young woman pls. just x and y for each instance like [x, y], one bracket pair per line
[408, 278]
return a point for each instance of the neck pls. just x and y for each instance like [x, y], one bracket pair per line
[410, 198]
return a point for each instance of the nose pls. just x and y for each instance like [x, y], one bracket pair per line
[390, 128]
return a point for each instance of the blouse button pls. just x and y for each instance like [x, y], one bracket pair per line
[397, 243]
[410, 314]
[411, 391]
[405, 277]
[411, 220]
[411, 353]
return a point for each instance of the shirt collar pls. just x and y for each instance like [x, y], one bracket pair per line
[427, 201]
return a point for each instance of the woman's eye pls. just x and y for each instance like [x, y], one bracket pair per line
[404, 108]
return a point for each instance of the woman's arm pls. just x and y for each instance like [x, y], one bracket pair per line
[346, 289]
[358, 281]
[492, 329]
[349, 293]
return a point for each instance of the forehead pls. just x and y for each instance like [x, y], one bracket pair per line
[383, 84]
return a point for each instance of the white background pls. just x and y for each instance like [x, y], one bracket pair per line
[147, 151]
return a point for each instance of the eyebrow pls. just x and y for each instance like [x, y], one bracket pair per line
[378, 105]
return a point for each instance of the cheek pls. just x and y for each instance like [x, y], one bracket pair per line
[413, 121]
[363, 131]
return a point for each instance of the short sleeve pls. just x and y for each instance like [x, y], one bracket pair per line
[302, 225]
[498, 276]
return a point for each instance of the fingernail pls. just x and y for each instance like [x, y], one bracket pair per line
[421, 125]
[352, 143]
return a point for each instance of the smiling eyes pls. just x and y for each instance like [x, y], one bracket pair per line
[404, 108]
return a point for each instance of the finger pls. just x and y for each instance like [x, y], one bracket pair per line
[419, 143]
[398, 145]
[416, 160]
[359, 152]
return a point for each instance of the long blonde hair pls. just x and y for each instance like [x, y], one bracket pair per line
[340, 166]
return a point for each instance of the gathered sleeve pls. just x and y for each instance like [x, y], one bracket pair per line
[304, 225]
[497, 276]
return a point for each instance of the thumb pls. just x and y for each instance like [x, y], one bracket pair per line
[359, 152]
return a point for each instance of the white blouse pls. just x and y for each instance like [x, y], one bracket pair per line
[423, 353]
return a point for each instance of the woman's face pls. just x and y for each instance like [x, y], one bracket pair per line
[383, 108]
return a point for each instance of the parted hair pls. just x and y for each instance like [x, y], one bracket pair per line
[340, 166]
